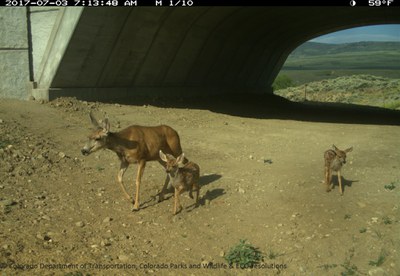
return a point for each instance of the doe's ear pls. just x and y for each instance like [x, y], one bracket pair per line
[163, 156]
[93, 120]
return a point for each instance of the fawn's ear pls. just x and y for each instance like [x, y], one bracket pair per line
[349, 149]
[93, 120]
[163, 156]
[334, 147]
[180, 160]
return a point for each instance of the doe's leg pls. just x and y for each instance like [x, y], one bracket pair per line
[123, 167]
[142, 165]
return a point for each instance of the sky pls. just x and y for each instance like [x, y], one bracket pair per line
[369, 33]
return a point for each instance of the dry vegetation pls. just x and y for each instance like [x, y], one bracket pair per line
[357, 89]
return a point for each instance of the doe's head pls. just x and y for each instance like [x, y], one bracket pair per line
[97, 139]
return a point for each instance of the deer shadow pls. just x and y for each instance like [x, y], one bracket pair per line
[345, 182]
[209, 178]
[203, 181]
[209, 195]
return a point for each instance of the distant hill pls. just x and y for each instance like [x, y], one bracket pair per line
[360, 55]
[315, 49]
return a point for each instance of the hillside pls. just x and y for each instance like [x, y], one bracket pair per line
[315, 48]
[357, 89]
[360, 55]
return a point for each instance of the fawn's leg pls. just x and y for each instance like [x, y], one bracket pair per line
[340, 182]
[197, 193]
[328, 178]
[142, 165]
[177, 204]
[164, 189]
[122, 169]
[166, 182]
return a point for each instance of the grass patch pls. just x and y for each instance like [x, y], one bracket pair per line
[5, 143]
[347, 216]
[390, 186]
[386, 220]
[380, 260]
[392, 105]
[273, 255]
[363, 230]
[378, 234]
[244, 255]
[326, 267]
[349, 268]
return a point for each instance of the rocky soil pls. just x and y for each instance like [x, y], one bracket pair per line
[261, 180]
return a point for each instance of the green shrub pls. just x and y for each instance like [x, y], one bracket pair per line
[244, 255]
[390, 186]
[282, 82]
[380, 260]
[392, 105]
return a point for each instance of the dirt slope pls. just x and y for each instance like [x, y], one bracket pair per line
[63, 213]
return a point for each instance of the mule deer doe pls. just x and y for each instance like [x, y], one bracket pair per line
[334, 160]
[184, 177]
[134, 144]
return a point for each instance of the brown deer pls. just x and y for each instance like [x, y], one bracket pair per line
[183, 177]
[134, 144]
[334, 160]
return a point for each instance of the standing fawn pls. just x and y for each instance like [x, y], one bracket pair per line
[334, 160]
[134, 144]
[184, 177]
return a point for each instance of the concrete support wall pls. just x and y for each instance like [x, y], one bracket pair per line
[42, 20]
[14, 53]
[24, 37]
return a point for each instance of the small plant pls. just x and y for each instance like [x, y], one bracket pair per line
[363, 230]
[347, 216]
[244, 255]
[327, 266]
[390, 186]
[378, 234]
[99, 168]
[273, 255]
[350, 269]
[4, 143]
[386, 220]
[380, 260]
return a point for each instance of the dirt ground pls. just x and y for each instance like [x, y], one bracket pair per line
[261, 180]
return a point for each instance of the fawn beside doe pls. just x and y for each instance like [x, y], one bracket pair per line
[184, 177]
[134, 144]
[334, 160]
